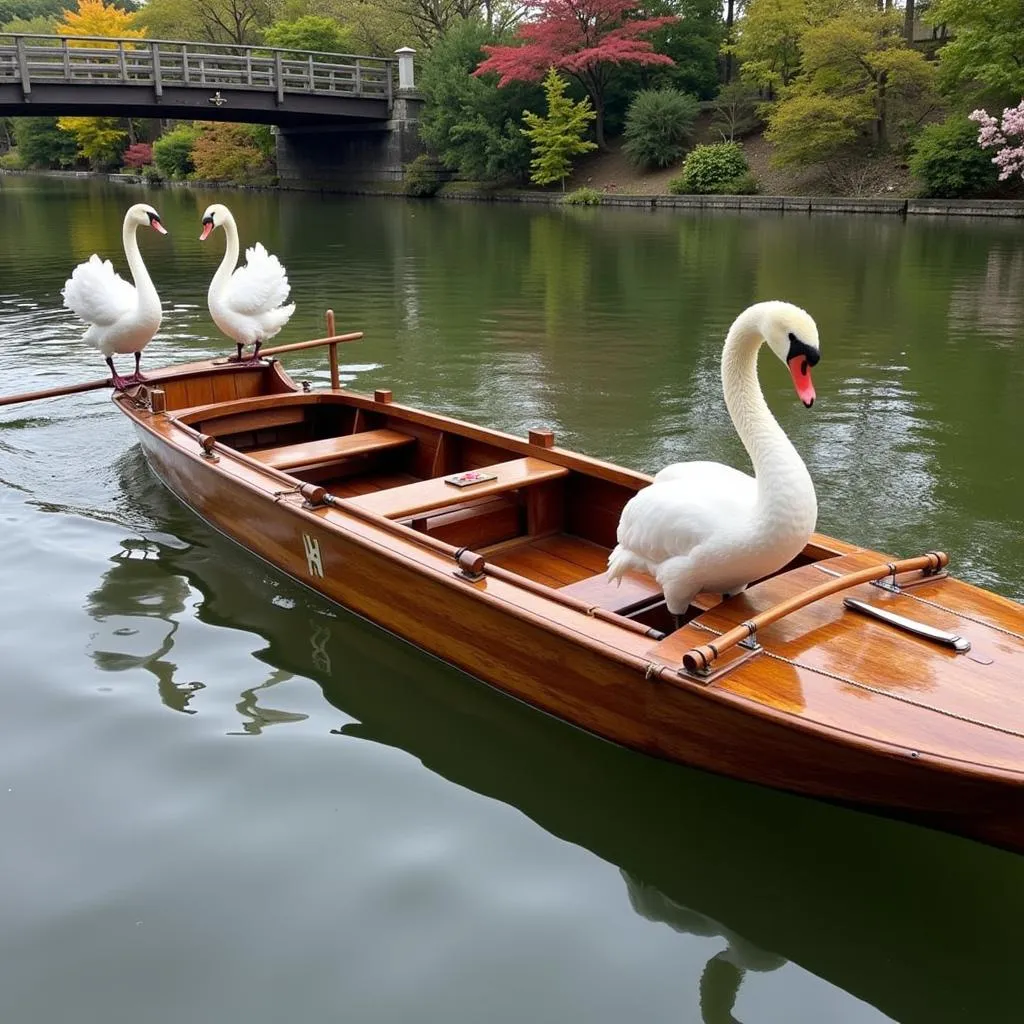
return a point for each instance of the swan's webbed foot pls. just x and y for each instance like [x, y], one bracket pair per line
[137, 377]
[119, 382]
[252, 360]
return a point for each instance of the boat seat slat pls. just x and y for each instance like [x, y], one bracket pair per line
[426, 495]
[327, 449]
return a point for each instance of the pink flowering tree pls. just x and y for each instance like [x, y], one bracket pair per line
[1006, 135]
[583, 38]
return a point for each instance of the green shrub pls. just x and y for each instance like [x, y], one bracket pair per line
[226, 151]
[172, 153]
[719, 169]
[11, 161]
[584, 197]
[949, 163]
[659, 126]
[151, 174]
[423, 177]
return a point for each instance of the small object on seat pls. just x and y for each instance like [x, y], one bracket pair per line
[471, 476]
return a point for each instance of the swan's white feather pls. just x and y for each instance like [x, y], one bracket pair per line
[98, 294]
[260, 286]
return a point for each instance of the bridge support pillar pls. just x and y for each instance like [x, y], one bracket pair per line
[346, 158]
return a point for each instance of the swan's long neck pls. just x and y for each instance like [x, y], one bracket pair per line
[785, 492]
[148, 299]
[230, 260]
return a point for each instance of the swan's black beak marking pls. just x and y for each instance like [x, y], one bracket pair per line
[800, 359]
[207, 228]
[801, 348]
[155, 223]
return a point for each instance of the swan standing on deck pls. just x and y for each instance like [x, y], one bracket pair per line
[246, 302]
[706, 526]
[122, 318]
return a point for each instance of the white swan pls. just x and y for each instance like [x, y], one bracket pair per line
[246, 302]
[121, 318]
[706, 526]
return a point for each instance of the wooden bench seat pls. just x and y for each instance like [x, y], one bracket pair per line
[425, 495]
[327, 449]
[637, 590]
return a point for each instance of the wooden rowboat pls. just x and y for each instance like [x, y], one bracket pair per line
[848, 675]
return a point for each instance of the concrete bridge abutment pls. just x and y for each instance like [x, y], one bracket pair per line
[341, 157]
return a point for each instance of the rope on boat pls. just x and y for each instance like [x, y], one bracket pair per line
[935, 604]
[963, 615]
[875, 689]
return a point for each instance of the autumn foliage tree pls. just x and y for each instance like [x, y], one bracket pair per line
[583, 38]
[95, 18]
[99, 139]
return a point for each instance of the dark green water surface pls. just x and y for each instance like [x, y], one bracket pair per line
[223, 799]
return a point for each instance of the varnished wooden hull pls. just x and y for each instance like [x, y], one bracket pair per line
[585, 671]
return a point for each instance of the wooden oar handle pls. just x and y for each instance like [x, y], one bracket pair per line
[316, 343]
[70, 389]
[700, 659]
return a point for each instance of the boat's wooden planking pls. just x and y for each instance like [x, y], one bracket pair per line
[834, 668]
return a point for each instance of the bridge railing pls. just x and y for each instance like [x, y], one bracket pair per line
[93, 60]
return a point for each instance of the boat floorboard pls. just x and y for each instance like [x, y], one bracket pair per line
[554, 560]
[353, 487]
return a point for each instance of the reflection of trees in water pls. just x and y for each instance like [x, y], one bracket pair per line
[724, 972]
[994, 303]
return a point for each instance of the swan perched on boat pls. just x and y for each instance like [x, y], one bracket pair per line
[706, 526]
[122, 318]
[246, 303]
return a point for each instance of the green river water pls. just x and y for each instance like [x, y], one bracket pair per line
[223, 799]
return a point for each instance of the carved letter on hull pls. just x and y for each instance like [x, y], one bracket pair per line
[313, 561]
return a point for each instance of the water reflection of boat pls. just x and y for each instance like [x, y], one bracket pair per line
[921, 925]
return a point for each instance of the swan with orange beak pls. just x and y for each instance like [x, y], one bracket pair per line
[246, 302]
[704, 526]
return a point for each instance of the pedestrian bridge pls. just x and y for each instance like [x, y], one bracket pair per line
[82, 75]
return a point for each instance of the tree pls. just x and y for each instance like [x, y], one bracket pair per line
[857, 80]
[310, 32]
[432, 18]
[557, 138]
[984, 57]
[1000, 135]
[101, 140]
[472, 125]
[584, 38]
[735, 110]
[768, 42]
[40, 143]
[238, 22]
[95, 18]
[230, 152]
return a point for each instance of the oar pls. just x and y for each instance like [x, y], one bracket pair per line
[71, 389]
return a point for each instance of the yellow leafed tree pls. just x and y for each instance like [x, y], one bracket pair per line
[100, 139]
[95, 18]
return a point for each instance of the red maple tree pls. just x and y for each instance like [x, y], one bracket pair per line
[584, 38]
